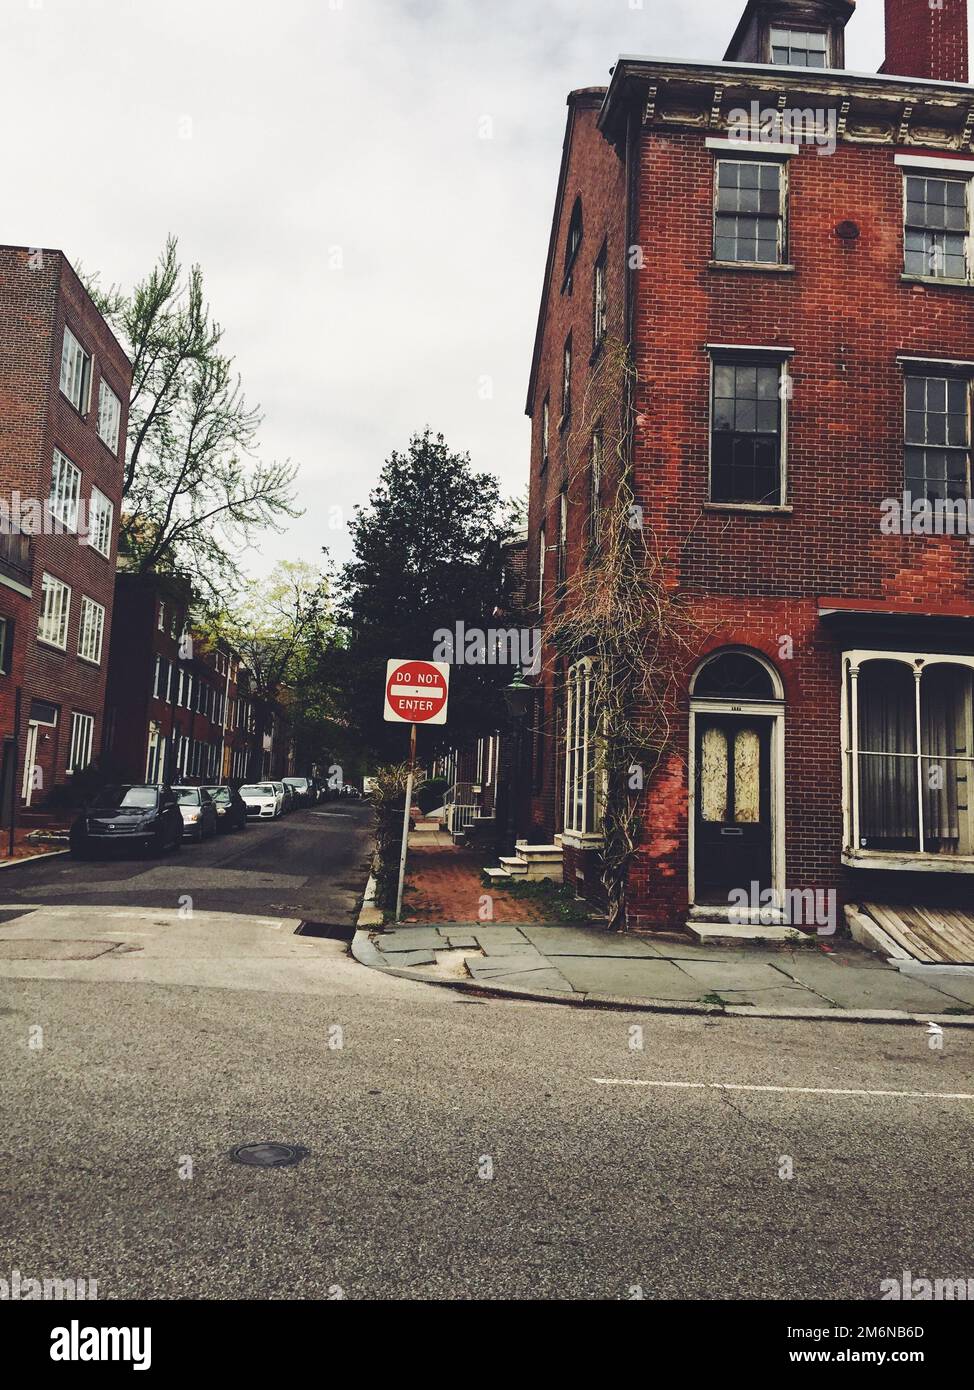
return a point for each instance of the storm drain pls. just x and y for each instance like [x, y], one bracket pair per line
[331, 931]
[268, 1155]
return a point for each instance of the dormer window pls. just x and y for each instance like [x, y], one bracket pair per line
[799, 48]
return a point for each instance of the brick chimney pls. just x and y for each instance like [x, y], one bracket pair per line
[926, 38]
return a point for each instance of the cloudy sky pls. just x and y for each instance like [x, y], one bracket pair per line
[375, 259]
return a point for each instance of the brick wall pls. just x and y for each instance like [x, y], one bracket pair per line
[40, 294]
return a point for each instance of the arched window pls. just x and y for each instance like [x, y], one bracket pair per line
[574, 236]
[735, 675]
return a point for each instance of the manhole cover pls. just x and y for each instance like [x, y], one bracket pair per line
[331, 931]
[268, 1155]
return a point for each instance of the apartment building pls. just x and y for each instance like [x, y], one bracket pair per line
[785, 249]
[64, 390]
[178, 706]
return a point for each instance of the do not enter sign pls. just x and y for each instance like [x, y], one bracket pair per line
[416, 692]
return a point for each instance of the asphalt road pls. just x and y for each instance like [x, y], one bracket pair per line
[457, 1147]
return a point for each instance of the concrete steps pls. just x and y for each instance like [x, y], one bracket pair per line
[530, 863]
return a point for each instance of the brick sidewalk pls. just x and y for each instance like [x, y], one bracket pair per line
[447, 887]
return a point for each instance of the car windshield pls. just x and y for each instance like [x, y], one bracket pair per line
[256, 791]
[296, 782]
[187, 796]
[113, 798]
[219, 793]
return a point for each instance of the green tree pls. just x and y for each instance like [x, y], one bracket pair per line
[429, 553]
[195, 490]
[280, 626]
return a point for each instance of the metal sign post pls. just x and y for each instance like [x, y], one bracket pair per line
[417, 692]
[405, 821]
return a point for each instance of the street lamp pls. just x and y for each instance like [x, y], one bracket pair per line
[518, 697]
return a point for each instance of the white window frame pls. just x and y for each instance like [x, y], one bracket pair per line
[545, 430]
[101, 522]
[65, 494]
[82, 739]
[52, 622]
[153, 760]
[600, 299]
[541, 560]
[804, 30]
[91, 630]
[959, 171]
[75, 381]
[852, 855]
[744, 154]
[582, 757]
[109, 416]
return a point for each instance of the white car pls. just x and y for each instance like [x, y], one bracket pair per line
[263, 801]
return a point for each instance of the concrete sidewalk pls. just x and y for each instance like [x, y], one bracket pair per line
[580, 964]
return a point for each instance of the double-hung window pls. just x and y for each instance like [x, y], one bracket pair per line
[799, 48]
[100, 522]
[938, 437]
[65, 491]
[566, 381]
[545, 431]
[75, 372]
[749, 211]
[109, 416]
[595, 487]
[91, 630]
[52, 624]
[747, 429]
[600, 309]
[937, 227]
[909, 754]
[562, 555]
[541, 559]
[82, 736]
[584, 774]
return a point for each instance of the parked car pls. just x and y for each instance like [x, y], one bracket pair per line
[198, 812]
[303, 790]
[231, 810]
[263, 801]
[287, 797]
[139, 815]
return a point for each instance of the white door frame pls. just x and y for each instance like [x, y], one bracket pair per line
[30, 757]
[774, 711]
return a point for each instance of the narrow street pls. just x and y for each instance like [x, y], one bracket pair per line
[456, 1147]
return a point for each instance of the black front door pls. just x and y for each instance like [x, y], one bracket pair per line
[732, 833]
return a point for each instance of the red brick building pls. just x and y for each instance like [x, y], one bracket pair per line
[786, 248]
[64, 389]
[178, 707]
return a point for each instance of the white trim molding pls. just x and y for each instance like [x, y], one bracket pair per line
[923, 161]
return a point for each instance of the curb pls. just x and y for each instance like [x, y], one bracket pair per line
[366, 954]
[32, 858]
[369, 915]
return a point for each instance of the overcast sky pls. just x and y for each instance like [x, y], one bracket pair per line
[279, 140]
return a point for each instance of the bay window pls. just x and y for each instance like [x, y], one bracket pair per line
[909, 755]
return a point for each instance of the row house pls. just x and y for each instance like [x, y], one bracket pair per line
[786, 248]
[179, 706]
[64, 388]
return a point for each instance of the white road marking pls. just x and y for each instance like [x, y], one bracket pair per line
[779, 1090]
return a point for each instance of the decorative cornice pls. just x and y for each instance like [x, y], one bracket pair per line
[868, 109]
